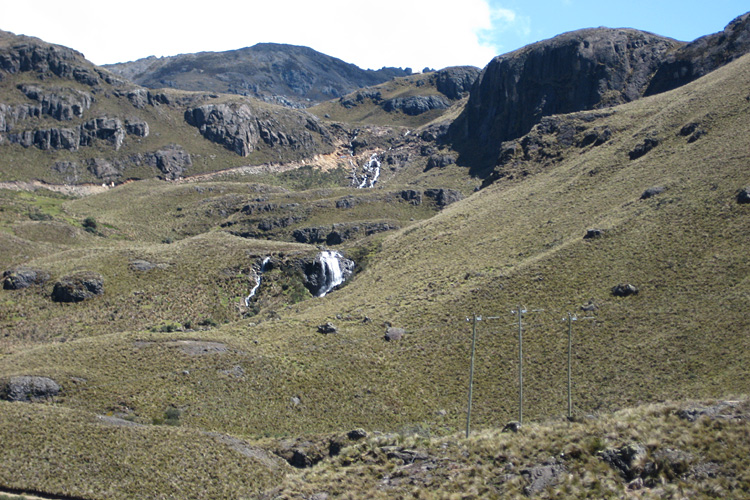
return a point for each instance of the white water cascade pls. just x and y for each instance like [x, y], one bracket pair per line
[258, 279]
[333, 275]
[370, 173]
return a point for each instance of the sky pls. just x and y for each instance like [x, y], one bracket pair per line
[402, 33]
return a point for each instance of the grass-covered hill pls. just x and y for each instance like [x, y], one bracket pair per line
[165, 368]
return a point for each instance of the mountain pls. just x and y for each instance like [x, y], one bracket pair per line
[581, 70]
[298, 322]
[286, 74]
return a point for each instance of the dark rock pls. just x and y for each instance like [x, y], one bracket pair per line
[541, 477]
[23, 277]
[412, 196]
[444, 197]
[512, 427]
[744, 196]
[416, 105]
[393, 334]
[28, 388]
[624, 290]
[702, 56]
[440, 161]
[693, 131]
[575, 71]
[356, 434]
[234, 127]
[628, 460]
[641, 149]
[652, 191]
[456, 82]
[26, 54]
[593, 233]
[714, 411]
[348, 202]
[137, 127]
[78, 287]
[597, 137]
[172, 161]
[327, 328]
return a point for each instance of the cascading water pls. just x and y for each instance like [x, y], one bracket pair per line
[370, 173]
[258, 279]
[333, 275]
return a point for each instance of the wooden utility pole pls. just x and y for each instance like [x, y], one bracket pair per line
[471, 374]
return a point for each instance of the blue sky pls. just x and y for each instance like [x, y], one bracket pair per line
[403, 33]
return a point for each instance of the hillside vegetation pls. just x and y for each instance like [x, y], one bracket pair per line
[630, 217]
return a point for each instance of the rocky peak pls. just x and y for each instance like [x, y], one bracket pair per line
[580, 70]
[702, 56]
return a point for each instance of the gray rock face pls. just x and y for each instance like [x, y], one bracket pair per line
[31, 54]
[317, 276]
[28, 388]
[702, 56]
[575, 71]
[233, 127]
[444, 197]
[416, 105]
[78, 287]
[23, 277]
[456, 82]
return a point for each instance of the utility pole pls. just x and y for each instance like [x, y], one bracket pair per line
[471, 373]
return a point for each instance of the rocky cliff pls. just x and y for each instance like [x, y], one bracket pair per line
[286, 74]
[575, 71]
[702, 56]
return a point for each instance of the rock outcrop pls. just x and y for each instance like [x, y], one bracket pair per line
[702, 56]
[580, 70]
[240, 129]
[28, 388]
[456, 82]
[78, 287]
[417, 104]
[23, 277]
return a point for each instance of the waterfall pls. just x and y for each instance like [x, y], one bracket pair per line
[333, 275]
[370, 173]
[258, 279]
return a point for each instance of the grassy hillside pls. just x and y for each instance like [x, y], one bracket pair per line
[518, 241]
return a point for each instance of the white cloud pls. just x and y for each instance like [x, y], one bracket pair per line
[414, 33]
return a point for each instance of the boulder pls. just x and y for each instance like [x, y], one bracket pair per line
[624, 290]
[743, 196]
[78, 287]
[413, 196]
[440, 161]
[393, 334]
[28, 388]
[23, 277]
[644, 147]
[327, 328]
[652, 191]
[593, 233]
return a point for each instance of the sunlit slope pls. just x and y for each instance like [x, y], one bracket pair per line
[519, 241]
